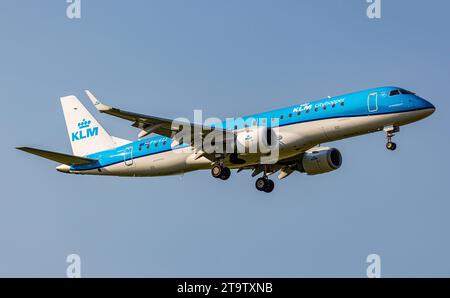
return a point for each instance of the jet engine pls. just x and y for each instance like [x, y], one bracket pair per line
[258, 139]
[320, 160]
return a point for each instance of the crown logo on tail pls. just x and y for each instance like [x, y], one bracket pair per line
[84, 124]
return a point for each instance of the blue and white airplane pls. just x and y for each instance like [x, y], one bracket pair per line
[297, 131]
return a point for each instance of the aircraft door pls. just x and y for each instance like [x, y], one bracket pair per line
[372, 102]
[128, 156]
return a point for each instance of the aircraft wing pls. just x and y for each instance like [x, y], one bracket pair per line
[151, 124]
[58, 157]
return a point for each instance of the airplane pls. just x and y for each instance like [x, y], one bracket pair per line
[297, 131]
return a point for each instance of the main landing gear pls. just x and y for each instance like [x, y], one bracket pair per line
[389, 134]
[264, 184]
[219, 171]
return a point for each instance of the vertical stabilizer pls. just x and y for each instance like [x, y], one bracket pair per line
[85, 133]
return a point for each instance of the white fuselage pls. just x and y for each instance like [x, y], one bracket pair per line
[294, 139]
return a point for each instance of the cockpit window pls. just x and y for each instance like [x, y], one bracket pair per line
[403, 91]
[394, 92]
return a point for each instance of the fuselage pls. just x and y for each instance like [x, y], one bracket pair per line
[298, 128]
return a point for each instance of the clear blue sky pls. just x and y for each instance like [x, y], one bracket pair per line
[229, 58]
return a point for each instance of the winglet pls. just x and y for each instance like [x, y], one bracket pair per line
[97, 104]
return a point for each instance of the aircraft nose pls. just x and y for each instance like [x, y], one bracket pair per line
[426, 108]
[425, 104]
[429, 105]
[63, 168]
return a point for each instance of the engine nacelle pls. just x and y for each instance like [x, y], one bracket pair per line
[258, 139]
[320, 160]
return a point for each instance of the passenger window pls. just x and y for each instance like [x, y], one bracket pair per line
[394, 93]
[164, 143]
[316, 109]
[342, 103]
[281, 117]
[290, 115]
[324, 107]
[298, 113]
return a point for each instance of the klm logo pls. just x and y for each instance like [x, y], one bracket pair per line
[84, 131]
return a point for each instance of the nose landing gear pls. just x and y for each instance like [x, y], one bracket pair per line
[390, 133]
[391, 146]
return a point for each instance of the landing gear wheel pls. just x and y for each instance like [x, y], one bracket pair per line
[226, 173]
[391, 146]
[270, 186]
[390, 133]
[264, 184]
[216, 171]
[261, 183]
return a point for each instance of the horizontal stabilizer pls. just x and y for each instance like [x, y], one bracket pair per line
[58, 157]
